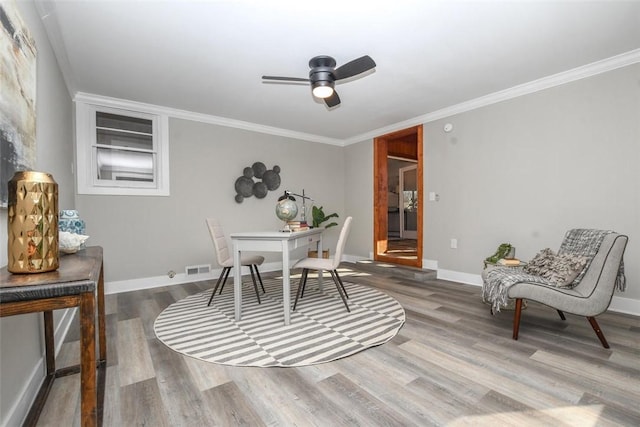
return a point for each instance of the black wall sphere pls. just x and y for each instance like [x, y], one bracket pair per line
[260, 190]
[245, 185]
[259, 169]
[271, 179]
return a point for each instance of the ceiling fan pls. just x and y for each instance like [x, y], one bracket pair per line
[324, 74]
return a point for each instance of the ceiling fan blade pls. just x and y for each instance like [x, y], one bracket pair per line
[285, 79]
[355, 67]
[333, 100]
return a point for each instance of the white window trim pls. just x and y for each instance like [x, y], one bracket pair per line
[86, 107]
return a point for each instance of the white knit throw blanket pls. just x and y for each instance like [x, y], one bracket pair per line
[579, 241]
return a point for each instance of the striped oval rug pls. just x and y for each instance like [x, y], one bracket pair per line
[321, 329]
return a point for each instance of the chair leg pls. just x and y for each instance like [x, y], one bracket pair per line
[215, 288]
[339, 287]
[259, 278]
[255, 284]
[341, 284]
[225, 278]
[596, 328]
[303, 282]
[561, 315]
[516, 318]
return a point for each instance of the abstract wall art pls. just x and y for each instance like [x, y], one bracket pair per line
[18, 100]
[268, 180]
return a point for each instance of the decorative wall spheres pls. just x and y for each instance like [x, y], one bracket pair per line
[269, 180]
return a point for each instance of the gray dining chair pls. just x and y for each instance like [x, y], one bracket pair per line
[328, 264]
[225, 260]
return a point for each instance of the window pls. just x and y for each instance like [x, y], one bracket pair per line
[121, 151]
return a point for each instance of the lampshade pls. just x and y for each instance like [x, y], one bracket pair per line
[322, 89]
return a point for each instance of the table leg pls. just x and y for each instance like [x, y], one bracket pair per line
[49, 342]
[237, 282]
[101, 318]
[286, 283]
[88, 393]
[319, 244]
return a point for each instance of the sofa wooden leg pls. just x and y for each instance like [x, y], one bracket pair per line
[516, 318]
[561, 315]
[596, 328]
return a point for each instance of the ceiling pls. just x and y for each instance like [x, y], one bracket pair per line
[208, 57]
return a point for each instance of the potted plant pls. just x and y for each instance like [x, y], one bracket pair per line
[319, 218]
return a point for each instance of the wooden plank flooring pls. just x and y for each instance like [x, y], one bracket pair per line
[451, 364]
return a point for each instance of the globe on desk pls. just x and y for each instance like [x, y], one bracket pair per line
[286, 210]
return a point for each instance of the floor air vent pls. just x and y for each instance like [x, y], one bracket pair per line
[197, 269]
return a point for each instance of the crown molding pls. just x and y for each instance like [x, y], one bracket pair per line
[47, 11]
[599, 67]
[203, 118]
[254, 127]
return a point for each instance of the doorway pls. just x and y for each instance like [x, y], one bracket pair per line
[398, 182]
[408, 203]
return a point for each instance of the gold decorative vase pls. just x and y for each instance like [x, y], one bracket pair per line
[32, 223]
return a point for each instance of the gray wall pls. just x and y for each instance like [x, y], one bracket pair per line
[21, 349]
[148, 236]
[522, 171]
[526, 170]
[358, 185]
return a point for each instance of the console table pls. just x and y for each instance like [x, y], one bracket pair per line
[75, 284]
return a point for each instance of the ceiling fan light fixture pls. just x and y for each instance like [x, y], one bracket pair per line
[322, 89]
[323, 74]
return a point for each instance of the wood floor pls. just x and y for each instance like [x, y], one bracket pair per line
[402, 248]
[451, 364]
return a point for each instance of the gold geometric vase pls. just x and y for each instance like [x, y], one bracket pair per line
[32, 223]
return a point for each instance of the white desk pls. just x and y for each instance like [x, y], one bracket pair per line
[271, 241]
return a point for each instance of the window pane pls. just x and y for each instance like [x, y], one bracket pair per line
[122, 165]
[122, 149]
[410, 200]
[115, 121]
[124, 139]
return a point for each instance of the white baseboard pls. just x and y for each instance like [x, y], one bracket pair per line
[354, 258]
[120, 286]
[456, 276]
[17, 414]
[625, 305]
[618, 304]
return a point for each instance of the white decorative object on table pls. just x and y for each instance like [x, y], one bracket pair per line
[70, 242]
[70, 221]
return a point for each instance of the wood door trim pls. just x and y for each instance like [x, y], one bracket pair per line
[380, 199]
[381, 190]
